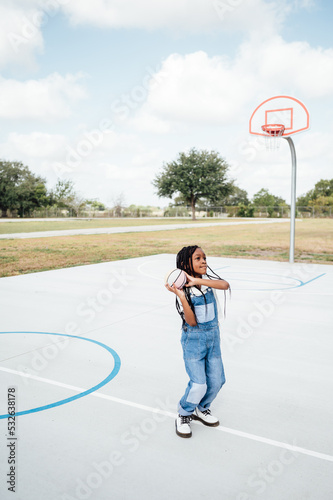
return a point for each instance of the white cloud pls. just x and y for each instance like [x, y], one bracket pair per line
[202, 90]
[279, 64]
[147, 14]
[18, 43]
[47, 98]
[117, 172]
[196, 89]
[179, 15]
[21, 24]
[36, 144]
[297, 5]
[260, 17]
[38, 150]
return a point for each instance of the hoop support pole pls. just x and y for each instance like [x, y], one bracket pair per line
[293, 199]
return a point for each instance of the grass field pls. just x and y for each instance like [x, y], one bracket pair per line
[314, 243]
[30, 226]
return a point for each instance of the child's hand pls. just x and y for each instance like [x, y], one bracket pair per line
[191, 281]
[179, 293]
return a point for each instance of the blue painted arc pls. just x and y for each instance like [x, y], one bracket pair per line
[111, 375]
[286, 287]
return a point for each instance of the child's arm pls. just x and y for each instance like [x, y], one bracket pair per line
[219, 284]
[188, 313]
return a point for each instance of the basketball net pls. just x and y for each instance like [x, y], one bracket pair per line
[274, 133]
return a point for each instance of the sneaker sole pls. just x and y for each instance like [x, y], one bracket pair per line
[182, 435]
[215, 424]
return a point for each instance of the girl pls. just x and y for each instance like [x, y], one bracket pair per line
[200, 340]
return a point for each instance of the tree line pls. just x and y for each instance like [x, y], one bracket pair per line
[197, 178]
[22, 192]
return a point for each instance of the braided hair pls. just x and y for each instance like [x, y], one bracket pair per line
[184, 262]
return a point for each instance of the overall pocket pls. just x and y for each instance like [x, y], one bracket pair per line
[205, 312]
[190, 343]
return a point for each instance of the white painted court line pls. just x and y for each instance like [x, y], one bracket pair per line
[150, 409]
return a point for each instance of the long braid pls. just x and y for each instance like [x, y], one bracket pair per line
[216, 276]
[184, 262]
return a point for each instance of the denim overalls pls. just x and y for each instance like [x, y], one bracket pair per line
[202, 355]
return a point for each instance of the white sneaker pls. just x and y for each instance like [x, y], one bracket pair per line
[183, 427]
[205, 417]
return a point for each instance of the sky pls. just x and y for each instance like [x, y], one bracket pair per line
[106, 92]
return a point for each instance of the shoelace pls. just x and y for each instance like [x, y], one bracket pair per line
[206, 412]
[185, 419]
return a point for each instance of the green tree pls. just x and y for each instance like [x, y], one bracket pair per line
[32, 193]
[194, 175]
[237, 197]
[63, 194]
[304, 200]
[263, 198]
[322, 201]
[245, 210]
[95, 205]
[20, 189]
[322, 189]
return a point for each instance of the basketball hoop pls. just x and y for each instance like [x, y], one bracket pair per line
[274, 132]
[283, 116]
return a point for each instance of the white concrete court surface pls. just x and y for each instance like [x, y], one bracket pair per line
[93, 354]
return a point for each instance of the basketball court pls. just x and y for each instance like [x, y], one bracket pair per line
[92, 355]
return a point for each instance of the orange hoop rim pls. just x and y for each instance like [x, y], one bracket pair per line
[273, 129]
